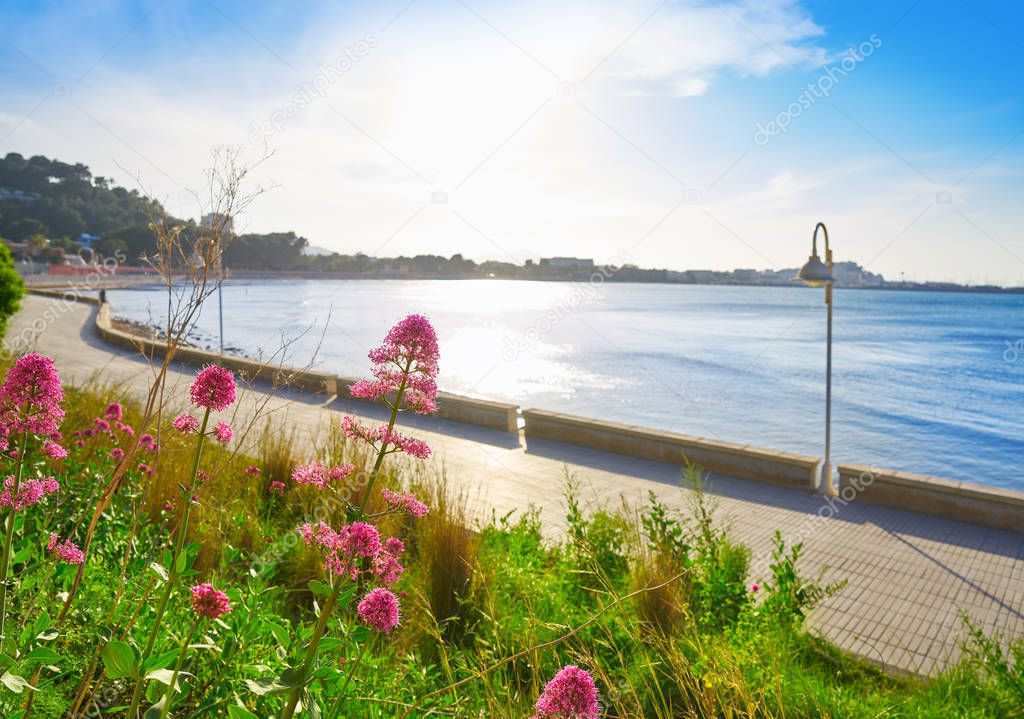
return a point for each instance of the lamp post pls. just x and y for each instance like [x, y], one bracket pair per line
[817, 273]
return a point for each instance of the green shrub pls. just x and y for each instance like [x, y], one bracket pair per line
[12, 289]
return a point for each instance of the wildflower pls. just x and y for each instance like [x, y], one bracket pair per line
[113, 412]
[394, 546]
[213, 389]
[102, 425]
[380, 436]
[754, 587]
[379, 609]
[276, 487]
[319, 474]
[53, 450]
[148, 442]
[65, 551]
[169, 505]
[209, 602]
[570, 695]
[361, 539]
[30, 491]
[117, 454]
[387, 568]
[31, 395]
[186, 423]
[252, 470]
[341, 549]
[79, 443]
[223, 432]
[127, 429]
[405, 501]
[408, 357]
[145, 469]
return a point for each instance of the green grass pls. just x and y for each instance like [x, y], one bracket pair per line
[700, 645]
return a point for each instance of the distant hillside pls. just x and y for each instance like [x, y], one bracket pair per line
[59, 201]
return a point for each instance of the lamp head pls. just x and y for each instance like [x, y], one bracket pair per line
[815, 272]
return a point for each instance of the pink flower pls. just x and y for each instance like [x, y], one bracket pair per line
[31, 395]
[361, 539]
[252, 470]
[214, 388]
[319, 474]
[186, 423]
[570, 695]
[381, 436]
[126, 428]
[30, 491]
[102, 425]
[223, 432]
[65, 551]
[117, 454]
[276, 487]
[409, 357]
[53, 450]
[113, 412]
[148, 442]
[209, 602]
[754, 587]
[79, 443]
[379, 609]
[405, 501]
[394, 546]
[145, 469]
[387, 568]
[342, 549]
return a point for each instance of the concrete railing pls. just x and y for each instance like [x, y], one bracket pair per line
[484, 413]
[67, 295]
[736, 460]
[988, 506]
[249, 369]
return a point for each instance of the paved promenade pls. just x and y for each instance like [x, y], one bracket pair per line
[909, 574]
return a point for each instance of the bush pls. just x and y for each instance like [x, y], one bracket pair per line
[12, 289]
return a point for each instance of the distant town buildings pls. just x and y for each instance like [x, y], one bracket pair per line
[566, 263]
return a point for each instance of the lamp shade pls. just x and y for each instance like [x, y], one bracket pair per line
[815, 272]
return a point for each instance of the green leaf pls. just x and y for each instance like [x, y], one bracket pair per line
[160, 661]
[42, 622]
[310, 705]
[15, 683]
[182, 564]
[320, 589]
[360, 634]
[48, 635]
[237, 712]
[165, 676]
[279, 632]
[43, 655]
[6, 661]
[329, 644]
[120, 661]
[291, 678]
[154, 711]
[160, 571]
[265, 685]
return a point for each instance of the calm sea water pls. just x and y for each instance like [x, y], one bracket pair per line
[924, 382]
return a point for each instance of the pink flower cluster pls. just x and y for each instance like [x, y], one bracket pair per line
[405, 501]
[276, 487]
[320, 475]
[223, 432]
[148, 442]
[53, 450]
[380, 436]
[114, 412]
[65, 550]
[31, 395]
[213, 388]
[252, 470]
[186, 423]
[408, 358]
[344, 551]
[209, 602]
[570, 695]
[379, 609]
[30, 491]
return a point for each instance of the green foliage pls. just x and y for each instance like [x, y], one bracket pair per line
[789, 597]
[12, 289]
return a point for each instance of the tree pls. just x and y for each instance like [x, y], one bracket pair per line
[12, 289]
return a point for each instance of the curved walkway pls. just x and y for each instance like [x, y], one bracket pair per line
[909, 574]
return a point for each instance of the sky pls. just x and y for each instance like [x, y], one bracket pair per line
[680, 134]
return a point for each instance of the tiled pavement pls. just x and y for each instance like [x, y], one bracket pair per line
[909, 575]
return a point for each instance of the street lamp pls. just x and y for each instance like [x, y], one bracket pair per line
[817, 273]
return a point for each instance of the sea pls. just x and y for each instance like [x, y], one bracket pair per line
[927, 382]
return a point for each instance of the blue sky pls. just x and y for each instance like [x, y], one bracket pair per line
[626, 130]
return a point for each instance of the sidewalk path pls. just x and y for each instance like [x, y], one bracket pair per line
[909, 574]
